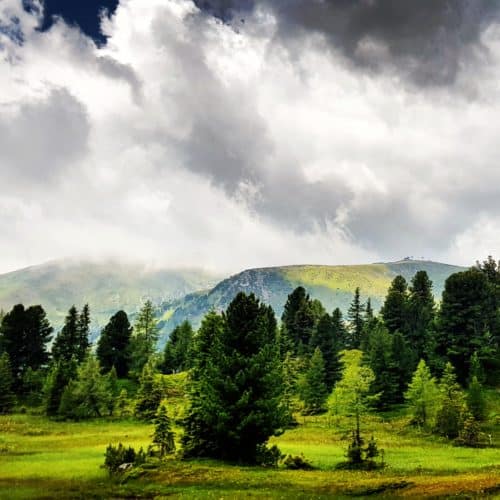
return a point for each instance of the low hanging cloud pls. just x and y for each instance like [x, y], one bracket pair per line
[186, 141]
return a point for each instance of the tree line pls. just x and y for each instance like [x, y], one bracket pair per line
[249, 376]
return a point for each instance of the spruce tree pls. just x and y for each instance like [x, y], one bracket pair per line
[163, 436]
[177, 354]
[451, 404]
[339, 329]
[314, 391]
[420, 316]
[149, 394]
[290, 370]
[113, 347]
[356, 321]
[324, 338]
[83, 333]
[7, 398]
[67, 343]
[395, 308]
[476, 401]
[145, 337]
[422, 395]
[402, 366]
[60, 375]
[463, 320]
[236, 400]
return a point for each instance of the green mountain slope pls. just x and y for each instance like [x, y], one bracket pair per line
[333, 285]
[106, 287]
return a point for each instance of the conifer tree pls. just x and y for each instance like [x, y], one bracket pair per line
[163, 435]
[324, 338]
[177, 354]
[83, 332]
[113, 347]
[24, 335]
[395, 308]
[60, 375]
[290, 369]
[236, 400]
[402, 365]
[422, 395]
[122, 404]
[451, 404]
[420, 316]
[463, 320]
[339, 329]
[356, 321]
[314, 391]
[7, 398]
[476, 402]
[369, 315]
[145, 336]
[67, 343]
[149, 394]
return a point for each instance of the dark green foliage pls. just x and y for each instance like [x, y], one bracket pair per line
[177, 354]
[476, 402]
[339, 329]
[476, 369]
[290, 371]
[463, 320]
[325, 338]
[32, 383]
[420, 317]
[469, 433]
[119, 455]
[381, 362]
[395, 308]
[402, 365]
[72, 341]
[297, 462]
[59, 377]
[298, 322]
[356, 322]
[369, 315]
[145, 337]
[149, 395]
[235, 396]
[113, 348]
[359, 456]
[7, 398]
[163, 436]
[314, 391]
[451, 404]
[24, 335]
[88, 395]
[268, 456]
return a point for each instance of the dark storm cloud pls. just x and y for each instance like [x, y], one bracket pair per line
[426, 41]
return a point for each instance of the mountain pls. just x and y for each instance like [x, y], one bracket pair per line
[106, 286]
[333, 285]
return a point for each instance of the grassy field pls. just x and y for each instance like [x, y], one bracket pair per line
[45, 459]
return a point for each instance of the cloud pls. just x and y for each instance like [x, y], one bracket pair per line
[184, 141]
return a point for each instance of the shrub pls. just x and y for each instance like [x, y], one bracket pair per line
[268, 457]
[117, 456]
[297, 462]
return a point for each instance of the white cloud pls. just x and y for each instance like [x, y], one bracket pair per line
[187, 143]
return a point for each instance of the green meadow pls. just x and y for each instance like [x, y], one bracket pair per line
[40, 458]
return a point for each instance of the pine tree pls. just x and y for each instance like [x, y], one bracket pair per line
[314, 391]
[369, 315]
[420, 316]
[177, 354]
[24, 335]
[339, 329]
[324, 338]
[395, 308]
[7, 399]
[145, 337]
[476, 402]
[113, 347]
[60, 375]
[67, 343]
[163, 435]
[451, 404]
[122, 404]
[149, 394]
[402, 365]
[236, 398]
[290, 369]
[356, 321]
[422, 395]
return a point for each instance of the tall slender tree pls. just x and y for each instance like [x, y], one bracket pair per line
[356, 321]
[314, 391]
[7, 398]
[177, 354]
[395, 308]
[145, 336]
[67, 343]
[83, 333]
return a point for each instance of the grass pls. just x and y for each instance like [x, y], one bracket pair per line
[40, 458]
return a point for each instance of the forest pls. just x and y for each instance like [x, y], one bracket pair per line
[400, 401]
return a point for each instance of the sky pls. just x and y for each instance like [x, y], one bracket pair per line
[247, 133]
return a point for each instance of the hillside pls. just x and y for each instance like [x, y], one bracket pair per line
[333, 285]
[106, 286]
